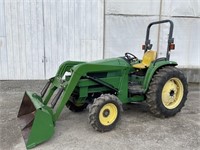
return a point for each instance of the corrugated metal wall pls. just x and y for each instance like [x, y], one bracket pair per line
[22, 54]
[73, 30]
[36, 36]
[3, 50]
[126, 23]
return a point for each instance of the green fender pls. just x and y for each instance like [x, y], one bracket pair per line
[152, 70]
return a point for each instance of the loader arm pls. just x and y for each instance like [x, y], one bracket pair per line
[79, 71]
[54, 82]
[66, 66]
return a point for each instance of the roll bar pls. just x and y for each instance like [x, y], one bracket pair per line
[170, 45]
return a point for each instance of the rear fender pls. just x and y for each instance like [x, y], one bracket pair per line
[152, 70]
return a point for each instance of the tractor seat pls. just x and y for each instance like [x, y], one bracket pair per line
[148, 57]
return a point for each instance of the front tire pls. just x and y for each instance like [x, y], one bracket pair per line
[167, 92]
[105, 112]
[76, 108]
[73, 106]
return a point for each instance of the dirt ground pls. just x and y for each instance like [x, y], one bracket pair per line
[137, 129]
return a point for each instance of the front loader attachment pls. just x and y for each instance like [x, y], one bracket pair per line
[35, 120]
[38, 114]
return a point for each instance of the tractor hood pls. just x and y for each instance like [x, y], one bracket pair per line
[112, 61]
[101, 65]
[118, 62]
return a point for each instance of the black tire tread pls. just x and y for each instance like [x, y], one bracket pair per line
[95, 108]
[152, 97]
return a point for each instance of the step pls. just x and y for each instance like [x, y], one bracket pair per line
[135, 89]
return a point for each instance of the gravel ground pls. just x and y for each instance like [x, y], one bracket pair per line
[137, 128]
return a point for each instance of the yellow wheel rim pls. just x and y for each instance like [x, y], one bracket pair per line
[172, 93]
[108, 114]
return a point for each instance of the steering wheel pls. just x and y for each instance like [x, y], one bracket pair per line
[130, 57]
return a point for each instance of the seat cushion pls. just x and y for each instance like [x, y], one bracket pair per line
[148, 57]
[139, 66]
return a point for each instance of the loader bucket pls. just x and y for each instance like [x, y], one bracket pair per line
[35, 120]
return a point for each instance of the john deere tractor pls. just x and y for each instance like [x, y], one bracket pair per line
[104, 86]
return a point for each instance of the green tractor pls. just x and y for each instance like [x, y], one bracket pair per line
[104, 86]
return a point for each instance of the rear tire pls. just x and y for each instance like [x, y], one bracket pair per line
[167, 92]
[105, 112]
